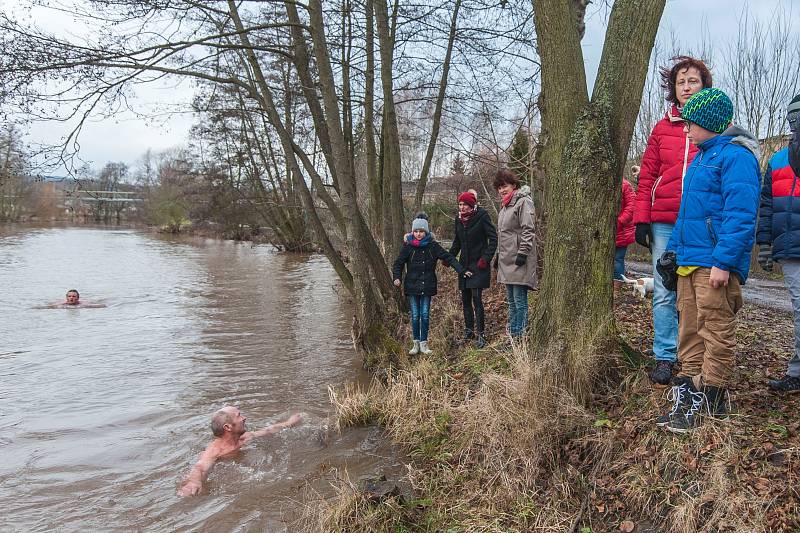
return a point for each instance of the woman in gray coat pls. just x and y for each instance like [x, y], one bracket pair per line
[516, 248]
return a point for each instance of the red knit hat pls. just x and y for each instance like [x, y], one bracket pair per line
[468, 197]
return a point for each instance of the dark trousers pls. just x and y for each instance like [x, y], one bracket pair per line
[472, 300]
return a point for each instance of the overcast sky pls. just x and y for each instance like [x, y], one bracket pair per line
[127, 136]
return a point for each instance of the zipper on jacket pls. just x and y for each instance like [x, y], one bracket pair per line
[680, 209]
[711, 232]
[786, 230]
[653, 192]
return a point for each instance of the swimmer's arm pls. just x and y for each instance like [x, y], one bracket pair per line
[274, 428]
[194, 482]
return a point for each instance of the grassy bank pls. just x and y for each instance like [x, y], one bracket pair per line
[493, 446]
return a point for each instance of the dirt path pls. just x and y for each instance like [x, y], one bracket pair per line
[763, 292]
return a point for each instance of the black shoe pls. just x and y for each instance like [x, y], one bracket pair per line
[691, 417]
[662, 373]
[480, 342]
[788, 384]
[718, 403]
[679, 395]
[467, 337]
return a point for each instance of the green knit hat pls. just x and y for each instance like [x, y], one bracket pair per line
[710, 109]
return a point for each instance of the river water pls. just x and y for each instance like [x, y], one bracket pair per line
[104, 410]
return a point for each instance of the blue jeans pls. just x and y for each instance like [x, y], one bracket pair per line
[619, 262]
[517, 296]
[665, 310]
[420, 315]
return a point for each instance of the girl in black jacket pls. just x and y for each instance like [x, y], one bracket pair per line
[419, 255]
[476, 239]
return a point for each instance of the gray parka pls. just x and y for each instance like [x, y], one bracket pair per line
[516, 234]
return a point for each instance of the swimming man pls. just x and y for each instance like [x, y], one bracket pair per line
[230, 434]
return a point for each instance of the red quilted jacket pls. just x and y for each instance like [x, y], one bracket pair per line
[664, 163]
[626, 231]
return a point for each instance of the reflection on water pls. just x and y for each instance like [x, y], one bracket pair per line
[103, 411]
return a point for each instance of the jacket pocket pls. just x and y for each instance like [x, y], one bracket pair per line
[653, 192]
[711, 232]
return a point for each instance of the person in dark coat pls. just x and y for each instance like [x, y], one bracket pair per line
[778, 234]
[476, 241]
[419, 255]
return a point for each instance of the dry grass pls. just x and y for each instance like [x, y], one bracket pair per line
[497, 444]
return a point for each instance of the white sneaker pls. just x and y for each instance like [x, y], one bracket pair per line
[423, 347]
[414, 349]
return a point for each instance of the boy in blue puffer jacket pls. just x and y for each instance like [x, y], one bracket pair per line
[712, 239]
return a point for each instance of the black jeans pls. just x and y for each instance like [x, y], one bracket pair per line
[472, 301]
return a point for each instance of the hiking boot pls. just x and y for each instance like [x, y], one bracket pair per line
[788, 384]
[480, 341]
[662, 373]
[679, 396]
[689, 418]
[414, 349]
[718, 402]
[423, 347]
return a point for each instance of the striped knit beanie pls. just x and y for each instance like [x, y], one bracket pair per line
[710, 109]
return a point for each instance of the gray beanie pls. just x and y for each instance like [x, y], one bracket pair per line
[793, 113]
[420, 223]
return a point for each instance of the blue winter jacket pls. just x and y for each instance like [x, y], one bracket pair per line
[779, 214]
[717, 219]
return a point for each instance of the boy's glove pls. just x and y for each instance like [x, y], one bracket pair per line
[482, 264]
[521, 259]
[667, 267]
[765, 257]
[643, 236]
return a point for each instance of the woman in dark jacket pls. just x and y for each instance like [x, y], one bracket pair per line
[419, 255]
[476, 242]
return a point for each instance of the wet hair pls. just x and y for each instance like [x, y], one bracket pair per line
[75, 291]
[218, 421]
[681, 63]
[503, 177]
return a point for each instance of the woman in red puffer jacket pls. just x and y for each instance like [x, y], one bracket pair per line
[658, 198]
[625, 232]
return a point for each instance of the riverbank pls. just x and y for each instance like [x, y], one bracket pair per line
[494, 449]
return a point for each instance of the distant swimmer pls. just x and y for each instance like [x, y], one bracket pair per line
[73, 299]
[230, 434]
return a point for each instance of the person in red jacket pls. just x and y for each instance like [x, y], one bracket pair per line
[658, 198]
[625, 230]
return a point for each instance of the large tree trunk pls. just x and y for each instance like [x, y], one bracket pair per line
[586, 146]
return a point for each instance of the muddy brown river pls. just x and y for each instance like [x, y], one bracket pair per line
[104, 410]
